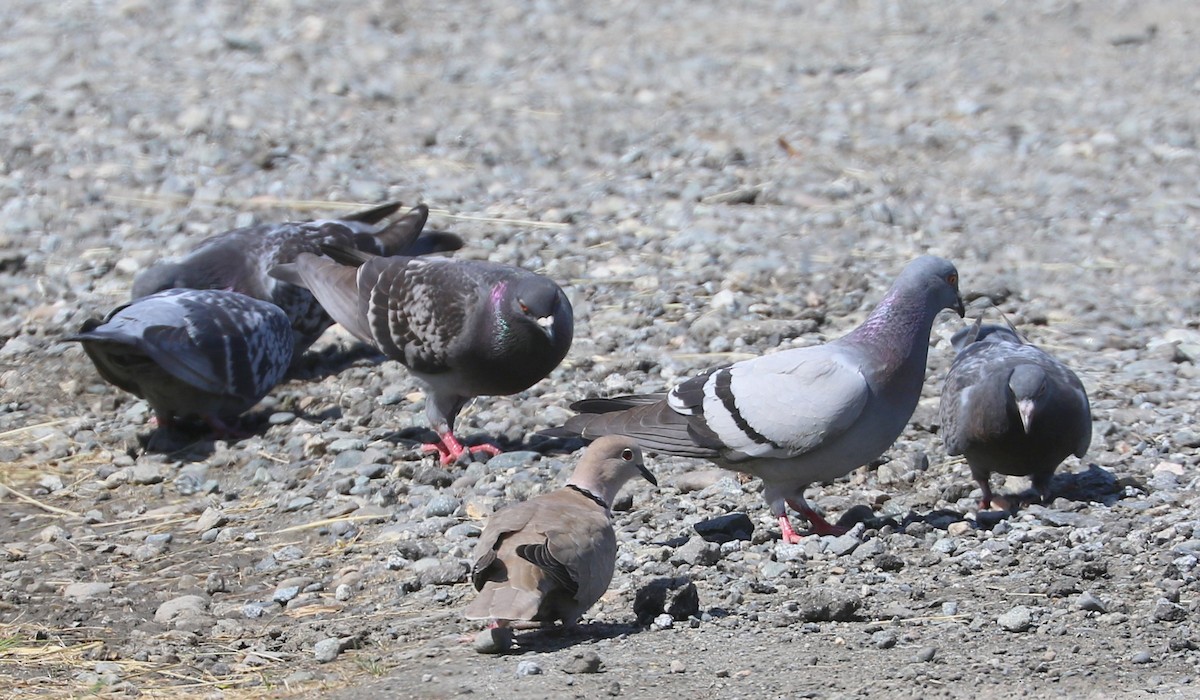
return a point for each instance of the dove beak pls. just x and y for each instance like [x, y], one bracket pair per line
[546, 323]
[1025, 410]
[646, 473]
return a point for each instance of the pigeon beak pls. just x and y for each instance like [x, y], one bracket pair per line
[1025, 410]
[546, 323]
[959, 307]
[646, 473]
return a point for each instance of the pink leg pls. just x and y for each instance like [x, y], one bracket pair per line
[820, 526]
[450, 448]
[787, 533]
[985, 500]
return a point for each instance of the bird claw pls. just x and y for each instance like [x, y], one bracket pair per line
[450, 449]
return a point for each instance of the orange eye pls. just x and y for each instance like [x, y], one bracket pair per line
[524, 309]
[952, 278]
[627, 455]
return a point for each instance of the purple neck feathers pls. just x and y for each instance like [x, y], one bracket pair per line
[896, 334]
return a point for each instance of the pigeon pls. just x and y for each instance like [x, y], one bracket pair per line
[1010, 407]
[797, 416]
[465, 328]
[239, 260]
[551, 558]
[207, 354]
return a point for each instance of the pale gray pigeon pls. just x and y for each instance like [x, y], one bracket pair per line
[465, 328]
[206, 354]
[1011, 408]
[798, 416]
[239, 260]
[551, 558]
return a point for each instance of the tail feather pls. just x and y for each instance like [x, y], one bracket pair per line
[653, 424]
[500, 601]
[334, 285]
[373, 215]
[397, 237]
[346, 256]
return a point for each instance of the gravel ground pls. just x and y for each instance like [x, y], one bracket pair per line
[708, 181]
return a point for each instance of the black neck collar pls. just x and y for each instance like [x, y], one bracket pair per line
[591, 496]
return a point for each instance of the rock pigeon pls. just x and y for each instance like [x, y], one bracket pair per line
[551, 558]
[1011, 408]
[797, 416]
[207, 354]
[239, 260]
[466, 328]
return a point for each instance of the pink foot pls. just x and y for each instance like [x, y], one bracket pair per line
[450, 449]
[821, 526]
[787, 534]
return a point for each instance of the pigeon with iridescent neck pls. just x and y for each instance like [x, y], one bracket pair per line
[799, 416]
[1009, 407]
[465, 328]
[239, 260]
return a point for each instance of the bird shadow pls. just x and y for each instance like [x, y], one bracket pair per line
[563, 637]
[315, 365]
[1092, 485]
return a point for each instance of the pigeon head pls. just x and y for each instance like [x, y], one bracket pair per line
[1027, 383]
[160, 277]
[607, 464]
[938, 278]
[977, 332]
[537, 300]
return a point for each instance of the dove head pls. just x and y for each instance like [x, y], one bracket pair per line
[607, 464]
[1027, 383]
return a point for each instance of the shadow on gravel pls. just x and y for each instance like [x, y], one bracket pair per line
[316, 365]
[557, 638]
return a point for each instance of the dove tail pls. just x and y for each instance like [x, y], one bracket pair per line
[501, 601]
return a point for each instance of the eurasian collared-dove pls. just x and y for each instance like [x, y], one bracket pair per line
[551, 558]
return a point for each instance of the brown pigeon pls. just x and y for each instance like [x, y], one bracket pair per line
[551, 558]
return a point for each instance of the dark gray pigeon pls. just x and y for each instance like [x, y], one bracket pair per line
[206, 354]
[239, 260]
[798, 416]
[466, 328]
[1009, 407]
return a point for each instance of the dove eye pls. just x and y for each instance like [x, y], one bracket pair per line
[627, 454]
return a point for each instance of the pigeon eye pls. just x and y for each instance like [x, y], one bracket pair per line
[524, 308]
[627, 454]
[952, 278]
